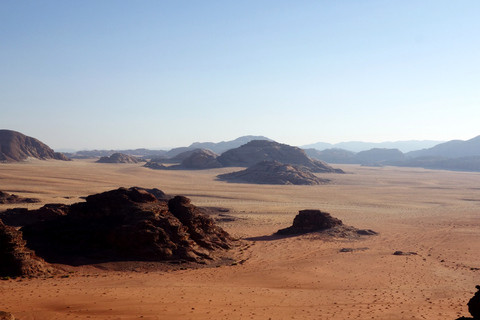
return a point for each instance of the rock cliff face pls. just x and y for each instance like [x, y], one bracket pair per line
[263, 150]
[118, 158]
[274, 172]
[16, 259]
[15, 147]
[128, 224]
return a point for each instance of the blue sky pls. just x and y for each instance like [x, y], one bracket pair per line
[131, 74]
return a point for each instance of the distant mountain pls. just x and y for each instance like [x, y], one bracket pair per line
[471, 163]
[332, 155]
[377, 156]
[262, 150]
[450, 149]
[15, 147]
[142, 152]
[357, 146]
[218, 147]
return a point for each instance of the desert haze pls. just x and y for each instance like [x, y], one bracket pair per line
[431, 213]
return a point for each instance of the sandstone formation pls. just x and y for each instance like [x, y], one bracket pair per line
[15, 147]
[274, 172]
[128, 224]
[318, 221]
[263, 150]
[118, 158]
[16, 259]
[6, 198]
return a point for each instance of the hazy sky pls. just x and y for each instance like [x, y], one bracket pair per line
[130, 74]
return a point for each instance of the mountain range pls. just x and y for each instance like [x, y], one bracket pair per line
[357, 146]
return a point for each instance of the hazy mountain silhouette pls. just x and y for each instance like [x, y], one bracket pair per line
[15, 146]
[332, 155]
[450, 149]
[357, 146]
[218, 147]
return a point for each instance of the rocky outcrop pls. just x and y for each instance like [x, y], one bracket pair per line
[262, 150]
[16, 259]
[6, 198]
[318, 221]
[311, 220]
[128, 224]
[201, 159]
[21, 216]
[118, 158]
[274, 172]
[15, 147]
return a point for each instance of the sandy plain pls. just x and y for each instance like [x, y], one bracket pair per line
[432, 213]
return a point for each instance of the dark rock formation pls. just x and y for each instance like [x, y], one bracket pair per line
[128, 224]
[274, 172]
[474, 304]
[311, 220]
[6, 198]
[15, 147]
[21, 216]
[118, 158]
[263, 150]
[322, 222]
[16, 259]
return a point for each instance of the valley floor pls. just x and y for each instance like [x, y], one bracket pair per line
[432, 213]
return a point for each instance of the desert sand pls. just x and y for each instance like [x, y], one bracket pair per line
[432, 213]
